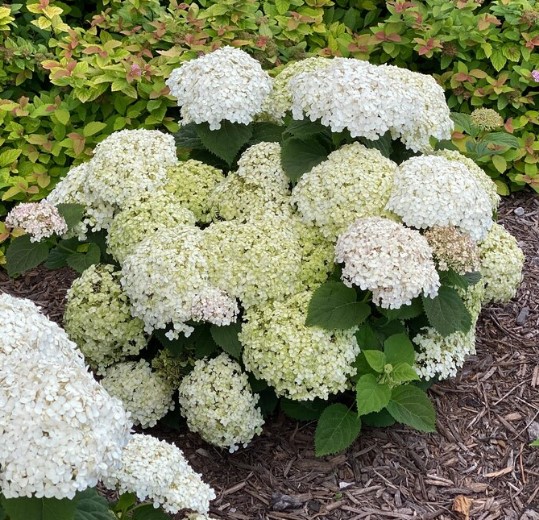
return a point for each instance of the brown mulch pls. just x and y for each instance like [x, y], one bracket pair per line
[479, 459]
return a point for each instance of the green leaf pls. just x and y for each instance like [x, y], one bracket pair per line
[380, 419]
[447, 312]
[227, 338]
[2, 513]
[267, 401]
[9, 157]
[371, 396]
[72, 213]
[201, 342]
[410, 405]
[303, 410]
[81, 261]
[266, 133]
[93, 128]
[498, 60]
[464, 122]
[187, 137]
[334, 306]
[282, 6]
[226, 142]
[406, 312]
[472, 278]
[502, 139]
[58, 255]
[305, 128]
[403, 373]
[62, 115]
[453, 279]
[148, 512]
[362, 366]
[367, 338]
[337, 428]
[399, 349]
[125, 501]
[24, 508]
[535, 443]
[375, 359]
[90, 505]
[299, 156]
[22, 255]
[384, 144]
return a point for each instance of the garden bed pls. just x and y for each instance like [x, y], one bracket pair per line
[487, 416]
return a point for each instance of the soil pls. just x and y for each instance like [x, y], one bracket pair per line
[478, 465]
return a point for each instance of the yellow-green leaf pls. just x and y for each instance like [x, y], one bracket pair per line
[62, 115]
[93, 128]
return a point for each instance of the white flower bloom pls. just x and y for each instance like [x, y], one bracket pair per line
[502, 261]
[218, 403]
[158, 471]
[353, 182]
[39, 219]
[392, 261]
[370, 100]
[142, 218]
[299, 362]
[432, 191]
[97, 318]
[145, 394]
[214, 306]
[226, 84]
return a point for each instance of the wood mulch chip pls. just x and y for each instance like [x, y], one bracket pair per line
[478, 465]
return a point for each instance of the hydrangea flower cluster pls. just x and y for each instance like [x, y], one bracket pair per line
[217, 402]
[432, 191]
[299, 362]
[97, 317]
[224, 85]
[353, 182]
[392, 261]
[61, 431]
[486, 119]
[39, 219]
[158, 471]
[501, 264]
[370, 100]
[144, 393]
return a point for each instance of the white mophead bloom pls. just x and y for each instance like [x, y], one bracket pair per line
[39, 219]
[433, 191]
[226, 84]
[144, 393]
[213, 305]
[158, 471]
[392, 261]
[218, 403]
[370, 100]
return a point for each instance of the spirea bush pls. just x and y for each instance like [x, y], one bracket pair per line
[334, 252]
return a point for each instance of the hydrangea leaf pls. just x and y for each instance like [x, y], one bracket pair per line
[371, 396]
[24, 508]
[298, 156]
[303, 410]
[375, 359]
[447, 312]
[81, 261]
[334, 306]
[304, 128]
[90, 505]
[148, 512]
[266, 132]
[187, 137]
[410, 405]
[399, 349]
[226, 142]
[72, 213]
[406, 312]
[403, 373]
[23, 255]
[337, 428]
[379, 419]
[227, 338]
[367, 338]
[58, 255]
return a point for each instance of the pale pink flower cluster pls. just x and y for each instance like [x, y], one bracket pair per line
[38, 219]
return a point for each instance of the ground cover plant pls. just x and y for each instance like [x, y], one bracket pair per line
[314, 249]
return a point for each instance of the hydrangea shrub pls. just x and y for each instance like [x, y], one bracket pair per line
[314, 242]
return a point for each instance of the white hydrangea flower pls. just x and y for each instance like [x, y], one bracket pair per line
[145, 394]
[162, 277]
[502, 261]
[279, 102]
[432, 191]
[370, 100]
[98, 319]
[353, 182]
[226, 84]
[39, 219]
[392, 261]
[158, 471]
[217, 402]
[253, 261]
[125, 166]
[143, 217]
[25, 327]
[214, 306]
[60, 430]
[480, 175]
[299, 362]
[191, 183]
